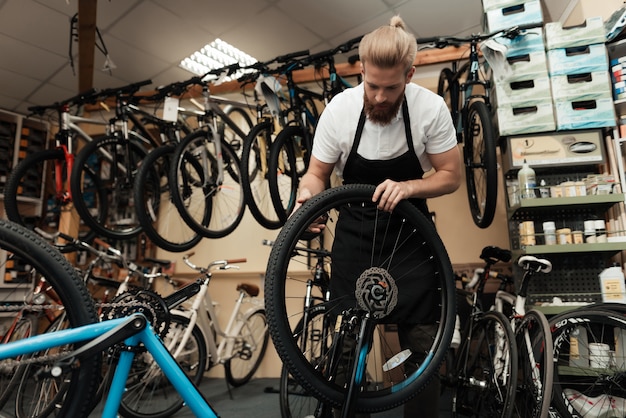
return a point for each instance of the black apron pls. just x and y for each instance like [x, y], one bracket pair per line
[352, 247]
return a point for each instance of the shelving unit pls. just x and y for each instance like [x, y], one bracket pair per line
[19, 137]
[574, 278]
[617, 50]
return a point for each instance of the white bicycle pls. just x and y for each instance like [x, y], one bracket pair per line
[241, 345]
[532, 332]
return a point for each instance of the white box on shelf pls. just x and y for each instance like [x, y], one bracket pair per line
[591, 85]
[553, 148]
[587, 33]
[580, 113]
[519, 14]
[522, 92]
[534, 64]
[515, 120]
[579, 59]
[498, 4]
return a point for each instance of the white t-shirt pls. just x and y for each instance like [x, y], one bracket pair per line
[431, 127]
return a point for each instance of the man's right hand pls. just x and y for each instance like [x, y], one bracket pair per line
[318, 224]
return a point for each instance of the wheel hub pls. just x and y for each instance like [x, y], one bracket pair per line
[376, 292]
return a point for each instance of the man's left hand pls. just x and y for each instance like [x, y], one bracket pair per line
[389, 193]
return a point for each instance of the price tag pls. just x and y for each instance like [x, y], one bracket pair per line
[170, 109]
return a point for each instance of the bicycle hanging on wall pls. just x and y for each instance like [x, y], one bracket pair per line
[466, 89]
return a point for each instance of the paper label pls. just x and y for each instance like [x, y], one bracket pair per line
[170, 109]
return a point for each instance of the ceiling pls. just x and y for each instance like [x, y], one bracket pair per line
[146, 39]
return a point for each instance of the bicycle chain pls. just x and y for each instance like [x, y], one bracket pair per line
[49, 358]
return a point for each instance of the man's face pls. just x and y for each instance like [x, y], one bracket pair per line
[384, 89]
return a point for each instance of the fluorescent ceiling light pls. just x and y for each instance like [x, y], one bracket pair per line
[216, 55]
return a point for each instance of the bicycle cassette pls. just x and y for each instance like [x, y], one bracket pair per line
[376, 292]
[142, 301]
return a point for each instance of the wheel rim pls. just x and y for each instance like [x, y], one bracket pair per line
[284, 291]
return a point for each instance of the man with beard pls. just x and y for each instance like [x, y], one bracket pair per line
[388, 132]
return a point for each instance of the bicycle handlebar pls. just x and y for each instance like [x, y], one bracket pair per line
[444, 41]
[221, 264]
[84, 97]
[128, 89]
[110, 253]
[317, 252]
[292, 55]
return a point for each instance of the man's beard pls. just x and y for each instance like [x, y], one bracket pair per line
[382, 116]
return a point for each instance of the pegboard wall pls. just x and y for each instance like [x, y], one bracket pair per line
[572, 279]
[574, 276]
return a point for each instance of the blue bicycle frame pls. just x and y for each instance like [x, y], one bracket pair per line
[144, 335]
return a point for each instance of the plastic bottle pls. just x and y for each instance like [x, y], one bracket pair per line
[578, 351]
[549, 231]
[544, 191]
[612, 284]
[600, 230]
[527, 181]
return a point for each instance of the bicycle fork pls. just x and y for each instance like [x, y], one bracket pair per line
[356, 372]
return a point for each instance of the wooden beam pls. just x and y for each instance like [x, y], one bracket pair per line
[86, 43]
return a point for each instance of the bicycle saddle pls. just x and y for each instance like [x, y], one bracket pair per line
[529, 262]
[250, 289]
[492, 254]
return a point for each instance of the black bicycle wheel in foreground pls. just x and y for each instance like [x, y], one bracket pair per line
[389, 381]
[30, 257]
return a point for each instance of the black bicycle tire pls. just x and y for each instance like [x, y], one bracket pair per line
[49, 403]
[283, 153]
[129, 412]
[469, 356]
[307, 148]
[11, 200]
[78, 305]
[255, 177]
[528, 402]
[482, 157]
[14, 381]
[234, 213]
[237, 381]
[280, 330]
[448, 88]
[285, 387]
[563, 326]
[90, 150]
[235, 142]
[147, 214]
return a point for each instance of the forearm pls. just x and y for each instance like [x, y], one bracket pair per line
[438, 184]
[310, 185]
[315, 180]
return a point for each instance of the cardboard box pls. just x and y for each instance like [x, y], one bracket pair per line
[532, 65]
[499, 4]
[553, 148]
[592, 85]
[519, 14]
[591, 31]
[523, 92]
[581, 113]
[516, 120]
[579, 59]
